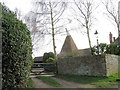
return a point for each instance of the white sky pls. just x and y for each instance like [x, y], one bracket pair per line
[102, 25]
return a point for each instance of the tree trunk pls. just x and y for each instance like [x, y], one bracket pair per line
[53, 32]
[118, 30]
[88, 37]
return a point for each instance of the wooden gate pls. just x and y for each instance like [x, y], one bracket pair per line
[38, 68]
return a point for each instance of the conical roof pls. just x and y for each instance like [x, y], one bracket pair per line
[68, 47]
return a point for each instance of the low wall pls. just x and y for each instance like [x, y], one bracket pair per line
[111, 64]
[84, 52]
[101, 65]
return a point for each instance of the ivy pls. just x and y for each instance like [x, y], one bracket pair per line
[16, 51]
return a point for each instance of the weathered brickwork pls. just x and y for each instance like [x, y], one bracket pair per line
[102, 65]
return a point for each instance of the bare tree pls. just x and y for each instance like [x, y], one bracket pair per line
[85, 11]
[19, 14]
[112, 12]
[37, 32]
[48, 18]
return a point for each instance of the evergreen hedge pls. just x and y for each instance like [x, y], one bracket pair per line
[113, 48]
[16, 51]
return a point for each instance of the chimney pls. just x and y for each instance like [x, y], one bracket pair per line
[110, 36]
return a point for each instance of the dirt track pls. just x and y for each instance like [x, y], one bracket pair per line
[65, 84]
[40, 84]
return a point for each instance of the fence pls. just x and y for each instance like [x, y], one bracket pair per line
[44, 67]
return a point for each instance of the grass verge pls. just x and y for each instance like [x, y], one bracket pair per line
[49, 81]
[98, 81]
[30, 83]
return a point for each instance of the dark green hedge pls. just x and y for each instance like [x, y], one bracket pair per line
[113, 48]
[16, 51]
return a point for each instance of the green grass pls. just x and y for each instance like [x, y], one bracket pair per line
[30, 83]
[49, 81]
[98, 81]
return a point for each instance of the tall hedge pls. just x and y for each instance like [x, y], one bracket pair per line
[113, 48]
[16, 51]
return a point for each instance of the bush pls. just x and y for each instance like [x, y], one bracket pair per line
[47, 56]
[113, 48]
[32, 62]
[50, 60]
[16, 51]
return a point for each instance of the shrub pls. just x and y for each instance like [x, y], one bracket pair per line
[50, 60]
[47, 56]
[102, 47]
[16, 51]
[113, 48]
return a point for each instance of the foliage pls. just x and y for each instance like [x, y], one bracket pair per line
[113, 48]
[50, 60]
[99, 81]
[49, 81]
[47, 56]
[17, 51]
[32, 62]
[30, 83]
[101, 48]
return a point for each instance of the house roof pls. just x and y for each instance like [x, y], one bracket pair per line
[38, 58]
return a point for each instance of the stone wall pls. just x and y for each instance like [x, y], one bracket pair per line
[102, 65]
[111, 64]
[84, 52]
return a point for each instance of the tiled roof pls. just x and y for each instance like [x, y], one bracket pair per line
[38, 58]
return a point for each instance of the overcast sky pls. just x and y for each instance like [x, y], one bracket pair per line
[102, 25]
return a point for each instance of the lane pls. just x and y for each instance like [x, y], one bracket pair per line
[40, 84]
[68, 84]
